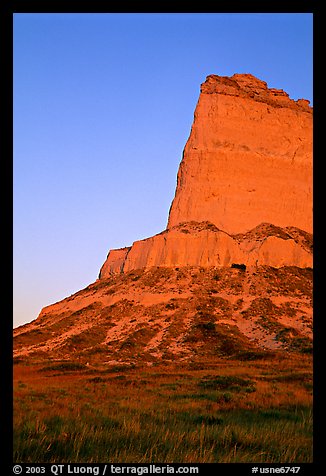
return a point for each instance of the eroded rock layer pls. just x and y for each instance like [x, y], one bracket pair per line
[203, 244]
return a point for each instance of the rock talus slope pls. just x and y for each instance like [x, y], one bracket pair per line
[185, 313]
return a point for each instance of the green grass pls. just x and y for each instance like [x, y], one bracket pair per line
[135, 436]
[234, 383]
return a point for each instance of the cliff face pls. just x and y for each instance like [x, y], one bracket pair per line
[247, 162]
[248, 159]
[202, 244]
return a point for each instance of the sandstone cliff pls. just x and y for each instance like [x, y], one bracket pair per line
[247, 162]
[248, 159]
[203, 244]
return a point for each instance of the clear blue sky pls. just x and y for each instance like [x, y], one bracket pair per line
[103, 105]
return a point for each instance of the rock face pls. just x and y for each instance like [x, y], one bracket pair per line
[246, 164]
[248, 159]
[203, 244]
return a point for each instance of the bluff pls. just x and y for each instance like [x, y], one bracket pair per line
[247, 163]
[231, 275]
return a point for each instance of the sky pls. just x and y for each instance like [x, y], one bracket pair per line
[103, 105]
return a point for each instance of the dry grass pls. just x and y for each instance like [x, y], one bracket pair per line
[202, 412]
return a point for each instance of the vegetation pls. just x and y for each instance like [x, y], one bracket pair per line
[214, 365]
[200, 412]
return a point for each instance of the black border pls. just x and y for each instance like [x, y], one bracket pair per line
[6, 142]
[8, 9]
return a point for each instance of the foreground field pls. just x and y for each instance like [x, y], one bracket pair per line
[226, 411]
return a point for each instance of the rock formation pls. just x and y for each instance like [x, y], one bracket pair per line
[202, 244]
[231, 276]
[248, 161]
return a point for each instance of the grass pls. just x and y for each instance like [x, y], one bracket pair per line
[234, 412]
[168, 436]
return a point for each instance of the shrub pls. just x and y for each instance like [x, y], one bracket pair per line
[227, 383]
[208, 326]
[254, 355]
[70, 366]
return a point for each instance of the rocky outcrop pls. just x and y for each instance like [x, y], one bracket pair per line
[248, 159]
[115, 261]
[203, 244]
[246, 172]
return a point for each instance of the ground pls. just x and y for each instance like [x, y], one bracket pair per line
[170, 366]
